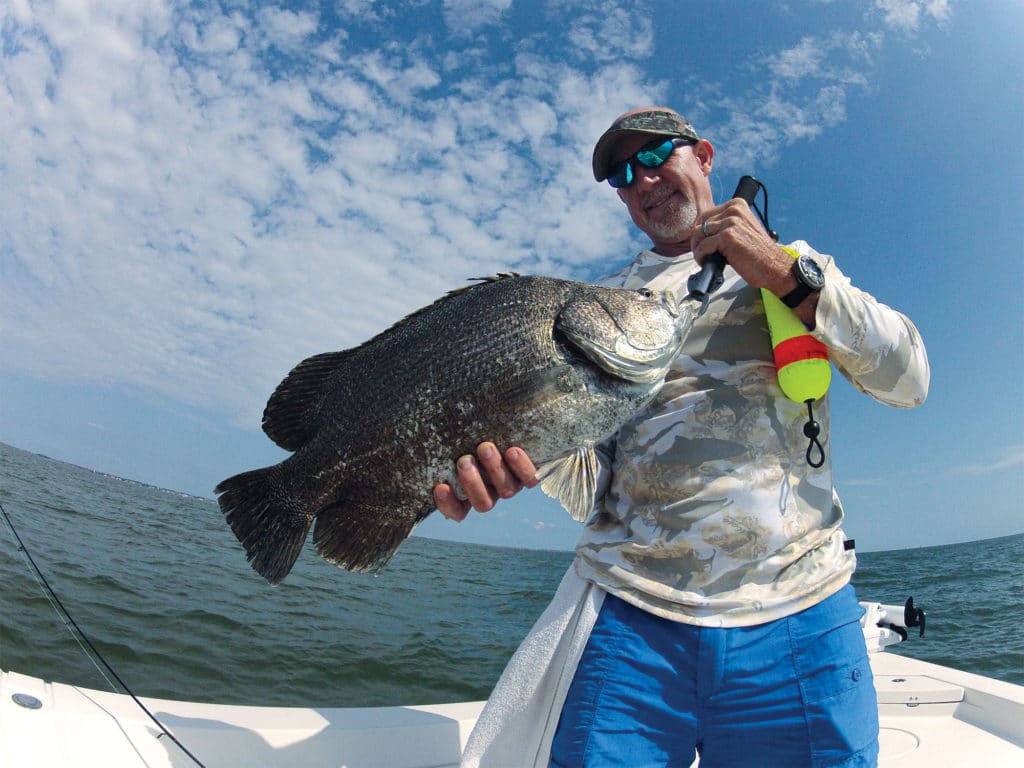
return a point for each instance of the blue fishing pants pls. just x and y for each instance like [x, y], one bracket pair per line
[793, 692]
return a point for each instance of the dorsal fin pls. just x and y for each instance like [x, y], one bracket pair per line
[289, 416]
[476, 283]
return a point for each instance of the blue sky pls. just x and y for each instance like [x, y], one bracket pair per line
[195, 197]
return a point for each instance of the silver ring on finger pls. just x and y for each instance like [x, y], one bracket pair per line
[704, 229]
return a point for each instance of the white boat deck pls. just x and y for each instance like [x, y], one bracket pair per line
[937, 716]
[930, 715]
[82, 727]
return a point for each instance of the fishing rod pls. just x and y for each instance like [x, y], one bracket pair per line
[710, 274]
[79, 634]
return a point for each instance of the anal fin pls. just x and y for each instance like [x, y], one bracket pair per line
[361, 536]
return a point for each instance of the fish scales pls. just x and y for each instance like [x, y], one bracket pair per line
[553, 366]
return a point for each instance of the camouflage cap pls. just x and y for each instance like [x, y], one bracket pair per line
[657, 121]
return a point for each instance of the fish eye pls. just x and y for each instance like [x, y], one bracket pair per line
[647, 293]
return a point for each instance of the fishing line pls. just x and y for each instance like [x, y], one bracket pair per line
[83, 640]
[53, 604]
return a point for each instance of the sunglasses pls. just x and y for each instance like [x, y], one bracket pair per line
[650, 155]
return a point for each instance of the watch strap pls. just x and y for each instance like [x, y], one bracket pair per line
[803, 287]
[797, 295]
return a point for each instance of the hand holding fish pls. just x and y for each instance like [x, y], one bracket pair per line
[485, 479]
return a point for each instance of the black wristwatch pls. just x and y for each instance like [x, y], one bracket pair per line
[810, 279]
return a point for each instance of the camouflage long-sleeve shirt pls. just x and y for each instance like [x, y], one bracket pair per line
[712, 515]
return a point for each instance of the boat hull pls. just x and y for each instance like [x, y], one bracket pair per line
[930, 715]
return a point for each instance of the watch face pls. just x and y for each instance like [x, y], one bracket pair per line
[810, 273]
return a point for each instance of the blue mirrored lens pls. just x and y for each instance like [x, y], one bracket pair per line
[652, 157]
[622, 176]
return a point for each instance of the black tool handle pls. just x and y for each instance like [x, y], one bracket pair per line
[713, 265]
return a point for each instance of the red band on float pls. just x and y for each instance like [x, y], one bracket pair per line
[804, 347]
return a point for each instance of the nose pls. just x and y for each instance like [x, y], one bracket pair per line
[646, 177]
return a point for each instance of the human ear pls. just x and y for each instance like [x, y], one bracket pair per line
[705, 154]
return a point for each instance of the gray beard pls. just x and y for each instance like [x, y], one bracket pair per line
[677, 224]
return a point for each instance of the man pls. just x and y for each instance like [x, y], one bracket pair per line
[729, 625]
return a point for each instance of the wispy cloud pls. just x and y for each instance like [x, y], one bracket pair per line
[194, 197]
[907, 15]
[540, 525]
[804, 94]
[200, 199]
[606, 33]
[468, 16]
[807, 85]
[1011, 458]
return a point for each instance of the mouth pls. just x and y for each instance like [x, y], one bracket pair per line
[658, 199]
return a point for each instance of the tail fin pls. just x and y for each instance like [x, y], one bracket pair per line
[271, 524]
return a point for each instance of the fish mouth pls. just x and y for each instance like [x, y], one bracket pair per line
[623, 362]
[645, 368]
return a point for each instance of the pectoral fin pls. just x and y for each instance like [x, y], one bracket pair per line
[572, 479]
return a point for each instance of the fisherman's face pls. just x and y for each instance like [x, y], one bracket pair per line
[665, 202]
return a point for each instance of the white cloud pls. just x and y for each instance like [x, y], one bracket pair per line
[806, 95]
[178, 220]
[607, 34]
[801, 60]
[467, 16]
[906, 15]
[286, 29]
[195, 199]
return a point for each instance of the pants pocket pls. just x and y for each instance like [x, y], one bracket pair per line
[839, 698]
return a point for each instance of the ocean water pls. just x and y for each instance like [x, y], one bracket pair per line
[162, 589]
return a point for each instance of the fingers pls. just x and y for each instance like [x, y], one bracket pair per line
[448, 504]
[721, 219]
[485, 479]
[732, 230]
[503, 481]
[522, 466]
